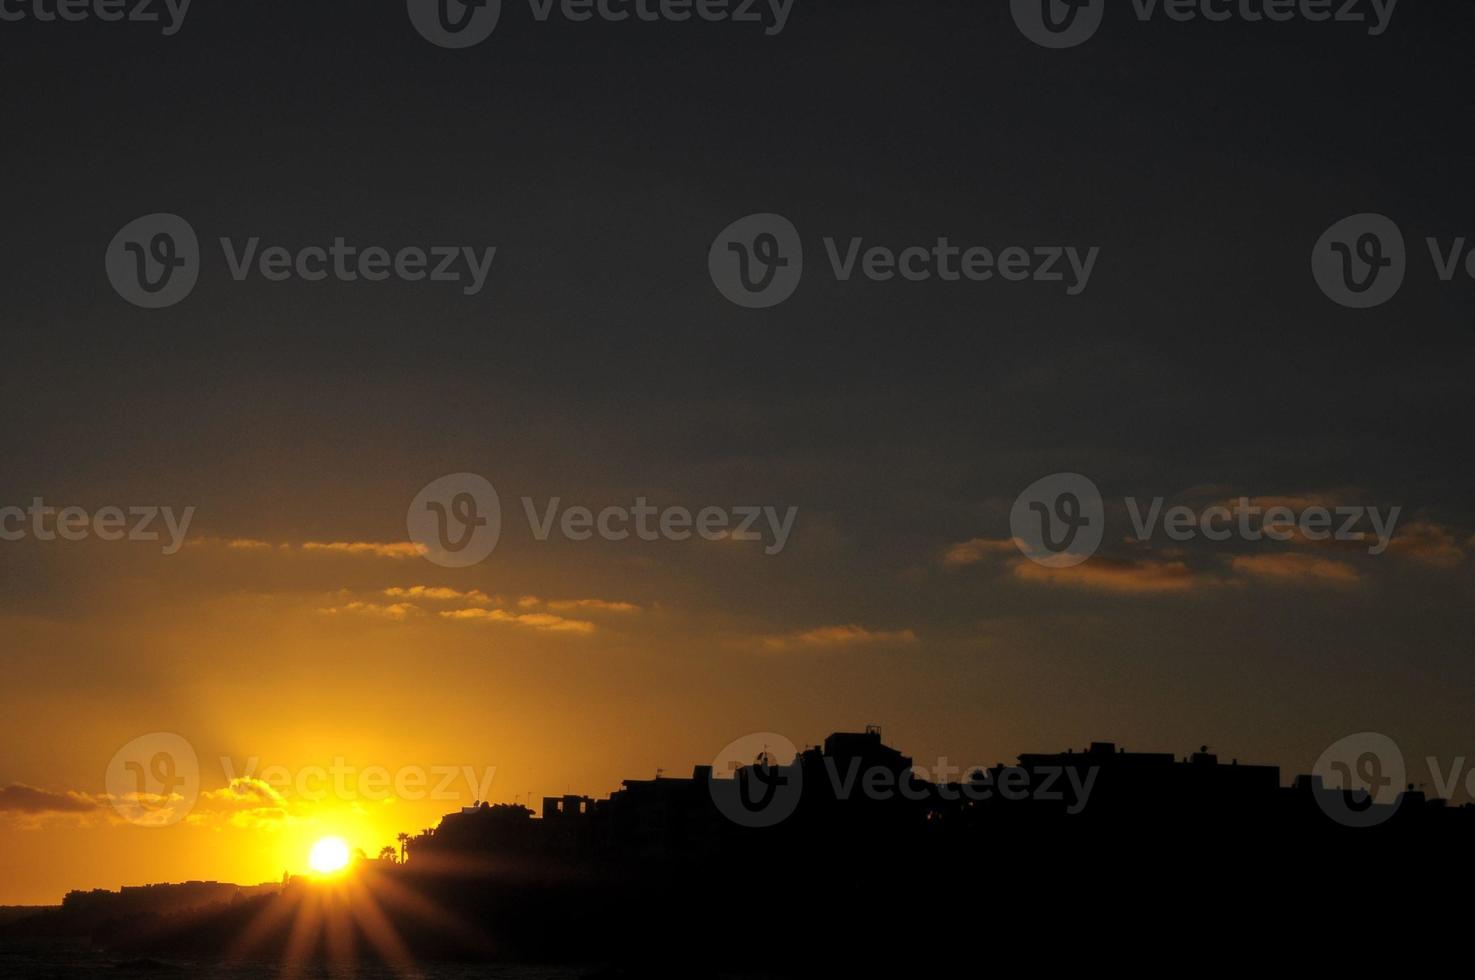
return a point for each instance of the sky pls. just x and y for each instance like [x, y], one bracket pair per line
[296, 625]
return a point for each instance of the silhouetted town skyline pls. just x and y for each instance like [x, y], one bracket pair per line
[797, 840]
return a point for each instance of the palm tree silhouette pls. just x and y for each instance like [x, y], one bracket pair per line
[386, 853]
[403, 839]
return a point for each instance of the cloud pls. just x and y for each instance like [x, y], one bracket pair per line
[440, 594]
[399, 611]
[602, 605]
[245, 790]
[398, 550]
[477, 606]
[1294, 502]
[1132, 575]
[370, 549]
[28, 800]
[978, 549]
[250, 544]
[1140, 576]
[545, 622]
[1296, 568]
[1428, 543]
[245, 802]
[573, 605]
[832, 637]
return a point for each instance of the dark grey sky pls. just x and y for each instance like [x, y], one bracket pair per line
[1205, 160]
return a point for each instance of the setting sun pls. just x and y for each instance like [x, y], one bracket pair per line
[328, 855]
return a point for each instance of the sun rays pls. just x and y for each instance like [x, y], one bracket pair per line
[346, 918]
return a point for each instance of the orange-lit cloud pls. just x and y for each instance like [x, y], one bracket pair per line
[974, 551]
[539, 621]
[831, 637]
[1299, 568]
[250, 544]
[244, 802]
[369, 549]
[399, 611]
[359, 549]
[601, 605]
[1294, 502]
[247, 790]
[1428, 543]
[440, 594]
[1135, 576]
[477, 606]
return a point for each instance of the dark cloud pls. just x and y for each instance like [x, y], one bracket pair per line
[19, 798]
